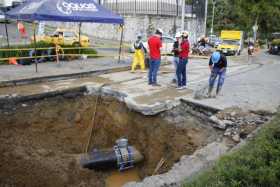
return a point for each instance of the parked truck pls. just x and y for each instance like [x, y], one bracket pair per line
[232, 42]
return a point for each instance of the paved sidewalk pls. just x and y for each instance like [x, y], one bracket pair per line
[13, 73]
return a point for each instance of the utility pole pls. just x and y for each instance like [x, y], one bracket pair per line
[205, 17]
[255, 30]
[183, 15]
[213, 15]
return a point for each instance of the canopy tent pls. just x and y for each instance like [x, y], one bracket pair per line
[65, 11]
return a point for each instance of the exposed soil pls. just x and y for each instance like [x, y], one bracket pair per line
[41, 141]
[156, 137]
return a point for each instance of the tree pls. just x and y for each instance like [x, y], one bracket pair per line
[243, 14]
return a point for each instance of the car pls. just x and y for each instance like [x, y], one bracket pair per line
[65, 37]
[275, 47]
[214, 41]
[167, 45]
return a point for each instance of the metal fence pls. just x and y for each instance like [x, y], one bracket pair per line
[155, 7]
[198, 8]
[147, 7]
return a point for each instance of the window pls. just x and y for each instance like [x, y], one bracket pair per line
[69, 34]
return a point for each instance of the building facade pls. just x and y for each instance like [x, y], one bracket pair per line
[144, 16]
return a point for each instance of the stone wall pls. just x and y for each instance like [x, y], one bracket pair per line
[144, 24]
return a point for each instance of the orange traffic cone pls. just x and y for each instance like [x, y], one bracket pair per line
[13, 61]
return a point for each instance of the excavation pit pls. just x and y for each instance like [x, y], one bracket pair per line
[42, 139]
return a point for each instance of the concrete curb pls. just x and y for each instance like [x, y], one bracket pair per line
[203, 108]
[67, 93]
[59, 77]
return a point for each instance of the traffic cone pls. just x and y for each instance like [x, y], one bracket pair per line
[13, 61]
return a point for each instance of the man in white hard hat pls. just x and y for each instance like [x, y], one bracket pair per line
[155, 44]
[176, 55]
[184, 48]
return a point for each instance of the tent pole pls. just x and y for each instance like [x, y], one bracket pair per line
[35, 46]
[80, 25]
[7, 34]
[120, 49]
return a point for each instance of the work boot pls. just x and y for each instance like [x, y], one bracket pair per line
[218, 91]
[209, 91]
[179, 88]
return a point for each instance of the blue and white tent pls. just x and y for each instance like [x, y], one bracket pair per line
[64, 11]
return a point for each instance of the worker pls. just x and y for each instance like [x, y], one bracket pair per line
[217, 65]
[139, 58]
[155, 43]
[202, 42]
[175, 51]
[184, 48]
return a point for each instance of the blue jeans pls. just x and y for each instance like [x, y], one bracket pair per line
[154, 67]
[214, 74]
[175, 64]
[181, 72]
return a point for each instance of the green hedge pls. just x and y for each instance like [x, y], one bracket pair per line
[276, 42]
[255, 164]
[25, 53]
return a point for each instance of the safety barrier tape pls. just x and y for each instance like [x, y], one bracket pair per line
[111, 46]
[42, 48]
[64, 55]
[73, 55]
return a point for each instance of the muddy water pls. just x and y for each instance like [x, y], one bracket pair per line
[41, 141]
[118, 179]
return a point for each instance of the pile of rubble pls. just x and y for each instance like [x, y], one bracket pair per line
[237, 124]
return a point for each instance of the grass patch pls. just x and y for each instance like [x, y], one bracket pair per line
[255, 164]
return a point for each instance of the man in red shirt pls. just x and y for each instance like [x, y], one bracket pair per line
[184, 47]
[155, 44]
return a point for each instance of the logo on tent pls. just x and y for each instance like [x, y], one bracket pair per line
[69, 7]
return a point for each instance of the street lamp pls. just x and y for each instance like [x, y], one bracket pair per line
[213, 15]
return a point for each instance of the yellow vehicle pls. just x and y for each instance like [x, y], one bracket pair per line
[65, 37]
[232, 42]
